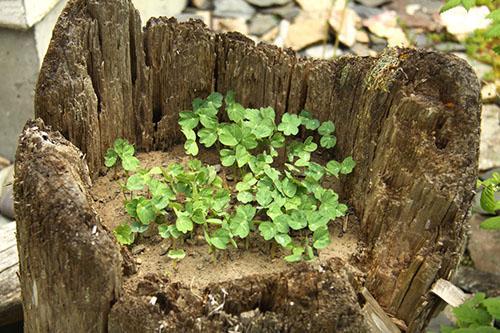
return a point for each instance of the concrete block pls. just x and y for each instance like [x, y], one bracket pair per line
[21, 53]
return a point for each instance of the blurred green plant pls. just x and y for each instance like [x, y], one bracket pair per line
[476, 315]
[488, 202]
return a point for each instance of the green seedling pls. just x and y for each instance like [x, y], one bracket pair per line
[124, 151]
[288, 206]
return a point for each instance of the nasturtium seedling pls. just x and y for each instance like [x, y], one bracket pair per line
[279, 192]
[124, 151]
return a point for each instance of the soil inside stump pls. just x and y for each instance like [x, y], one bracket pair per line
[199, 268]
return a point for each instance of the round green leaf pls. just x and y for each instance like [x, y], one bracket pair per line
[188, 120]
[220, 239]
[230, 135]
[328, 141]
[227, 157]
[326, 128]
[130, 163]
[163, 231]
[124, 234]
[347, 165]
[492, 223]
[245, 197]
[289, 187]
[283, 239]
[281, 223]
[110, 158]
[267, 230]
[145, 212]
[296, 254]
[321, 238]
[289, 124]
[191, 147]
[239, 225]
[178, 254]
[135, 182]
[333, 167]
[184, 223]
[207, 136]
[242, 156]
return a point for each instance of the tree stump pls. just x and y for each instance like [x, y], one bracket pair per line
[410, 118]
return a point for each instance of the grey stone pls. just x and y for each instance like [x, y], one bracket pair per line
[6, 192]
[268, 3]
[450, 47]
[261, 23]
[373, 3]
[480, 68]
[484, 246]
[322, 51]
[445, 318]
[365, 11]
[288, 11]
[4, 220]
[472, 280]
[476, 203]
[489, 173]
[156, 8]
[233, 8]
[21, 52]
[360, 49]
[489, 147]
[419, 39]
[377, 43]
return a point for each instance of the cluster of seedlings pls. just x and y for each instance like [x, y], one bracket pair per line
[278, 192]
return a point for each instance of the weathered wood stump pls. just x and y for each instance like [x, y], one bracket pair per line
[410, 118]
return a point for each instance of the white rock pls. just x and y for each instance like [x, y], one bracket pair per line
[460, 22]
[489, 148]
[233, 8]
[344, 20]
[326, 51]
[385, 25]
[489, 92]
[156, 8]
[230, 24]
[307, 29]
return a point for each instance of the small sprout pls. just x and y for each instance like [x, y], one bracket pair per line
[124, 234]
[176, 255]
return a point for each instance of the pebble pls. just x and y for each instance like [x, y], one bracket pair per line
[262, 23]
[229, 177]
[372, 3]
[3, 162]
[365, 11]
[6, 192]
[202, 4]
[321, 51]
[484, 246]
[233, 8]
[287, 12]
[217, 168]
[489, 146]
[164, 248]
[268, 3]
[449, 47]
[138, 249]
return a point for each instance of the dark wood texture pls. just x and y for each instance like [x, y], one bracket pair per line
[410, 118]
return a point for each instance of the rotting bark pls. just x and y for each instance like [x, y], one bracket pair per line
[410, 118]
[70, 269]
[10, 291]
